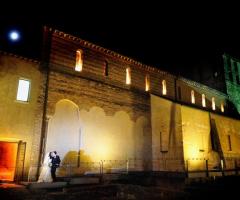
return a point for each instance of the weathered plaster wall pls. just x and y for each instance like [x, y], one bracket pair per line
[21, 120]
[197, 127]
[106, 122]
[167, 144]
[196, 137]
[228, 127]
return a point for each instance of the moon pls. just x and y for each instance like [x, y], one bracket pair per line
[14, 36]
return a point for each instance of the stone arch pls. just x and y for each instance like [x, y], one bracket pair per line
[64, 128]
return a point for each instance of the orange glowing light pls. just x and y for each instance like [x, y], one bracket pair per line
[147, 82]
[79, 61]
[8, 155]
[164, 87]
[128, 76]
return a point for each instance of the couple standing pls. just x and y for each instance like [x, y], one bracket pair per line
[50, 164]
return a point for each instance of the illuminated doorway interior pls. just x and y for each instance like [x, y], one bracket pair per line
[8, 156]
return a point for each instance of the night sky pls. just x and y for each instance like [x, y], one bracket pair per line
[188, 42]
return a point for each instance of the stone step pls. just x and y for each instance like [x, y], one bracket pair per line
[84, 181]
[46, 185]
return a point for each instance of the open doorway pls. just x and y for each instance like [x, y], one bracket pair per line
[8, 157]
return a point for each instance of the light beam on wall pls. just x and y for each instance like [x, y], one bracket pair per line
[222, 107]
[164, 87]
[79, 61]
[147, 83]
[128, 76]
[192, 97]
[102, 150]
[213, 103]
[203, 100]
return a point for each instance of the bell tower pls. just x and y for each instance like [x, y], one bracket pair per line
[232, 79]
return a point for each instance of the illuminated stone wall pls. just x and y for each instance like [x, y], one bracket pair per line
[21, 121]
[92, 118]
[187, 86]
[228, 127]
[63, 58]
[168, 123]
[196, 137]
[104, 122]
[181, 137]
[167, 144]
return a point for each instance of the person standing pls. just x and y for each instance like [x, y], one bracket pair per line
[54, 164]
[45, 175]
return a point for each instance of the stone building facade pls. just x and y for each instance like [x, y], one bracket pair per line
[93, 105]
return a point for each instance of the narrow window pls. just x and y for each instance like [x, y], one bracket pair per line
[222, 107]
[236, 72]
[237, 79]
[192, 97]
[236, 67]
[230, 75]
[164, 87]
[203, 100]
[23, 90]
[128, 76]
[229, 143]
[213, 103]
[79, 61]
[228, 65]
[147, 82]
[179, 93]
[105, 68]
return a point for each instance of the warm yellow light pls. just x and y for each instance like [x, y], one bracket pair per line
[79, 61]
[102, 152]
[193, 153]
[222, 107]
[8, 160]
[103, 149]
[203, 100]
[192, 97]
[147, 82]
[194, 158]
[164, 87]
[213, 103]
[128, 76]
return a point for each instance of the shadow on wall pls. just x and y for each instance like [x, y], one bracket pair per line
[213, 160]
[232, 108]
[102, 137]
[142, 148]
[172, 143]
[76, 163]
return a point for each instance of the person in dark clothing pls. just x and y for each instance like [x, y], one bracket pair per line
[54, 164]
